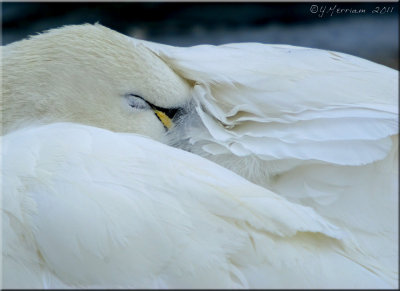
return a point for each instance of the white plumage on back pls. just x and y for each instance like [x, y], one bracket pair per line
[102, 209]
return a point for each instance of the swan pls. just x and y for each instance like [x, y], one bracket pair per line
[130, 164]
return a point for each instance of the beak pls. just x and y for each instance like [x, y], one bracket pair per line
[165, 115]
[165, 120]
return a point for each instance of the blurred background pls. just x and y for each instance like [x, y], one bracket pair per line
[374, 36]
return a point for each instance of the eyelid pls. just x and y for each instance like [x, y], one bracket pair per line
[134, 95]
[137, 102]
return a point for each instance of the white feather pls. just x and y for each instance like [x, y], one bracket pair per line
[86, 207]
[297, 98]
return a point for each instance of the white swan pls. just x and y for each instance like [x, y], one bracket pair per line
[87, 207]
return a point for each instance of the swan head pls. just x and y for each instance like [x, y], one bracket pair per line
[92, 75]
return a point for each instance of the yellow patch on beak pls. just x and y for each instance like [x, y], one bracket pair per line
[164, 118]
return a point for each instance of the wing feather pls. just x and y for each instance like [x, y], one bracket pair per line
[318, 127]
[295, 96]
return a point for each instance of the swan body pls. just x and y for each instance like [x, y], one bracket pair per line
[104, 209]
[89, 202]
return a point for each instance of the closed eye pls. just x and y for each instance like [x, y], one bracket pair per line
[137, 102]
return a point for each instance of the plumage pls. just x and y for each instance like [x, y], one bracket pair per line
[89, 199]
[317, 127]
[304, 196]
[293, 99]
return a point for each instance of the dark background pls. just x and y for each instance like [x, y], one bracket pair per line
[371, 36]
